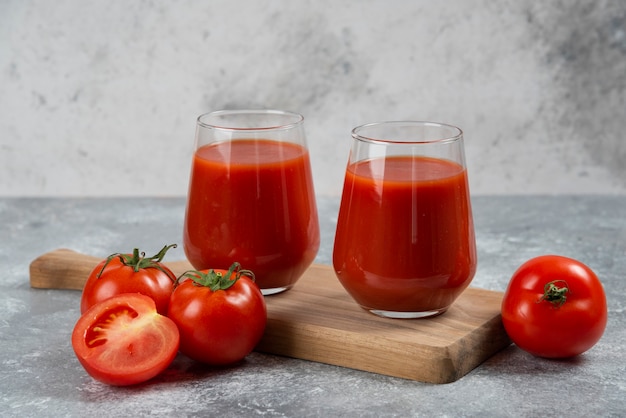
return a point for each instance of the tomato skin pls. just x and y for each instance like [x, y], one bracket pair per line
[218, 327]
[118, 278]
[547, 330]
[123, 340]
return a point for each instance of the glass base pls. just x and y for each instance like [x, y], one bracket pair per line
[406, 315]
[274, 290]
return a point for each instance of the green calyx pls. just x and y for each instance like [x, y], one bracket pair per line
[554, 294]
[139, 261]
[217, 280]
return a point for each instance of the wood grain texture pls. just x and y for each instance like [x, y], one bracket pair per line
[318, 321]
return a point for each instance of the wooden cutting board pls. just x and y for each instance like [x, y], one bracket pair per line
[317, 320]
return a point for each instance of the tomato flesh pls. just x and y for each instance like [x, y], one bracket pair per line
[124, 340]
[554, 330]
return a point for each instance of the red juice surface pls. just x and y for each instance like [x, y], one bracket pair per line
[252, 201]
[405, 237]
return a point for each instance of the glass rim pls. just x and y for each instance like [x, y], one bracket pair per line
[296, 119]
[458, 135]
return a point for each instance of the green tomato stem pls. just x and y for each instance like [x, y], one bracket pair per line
[216, 280]
[554, 294]
[139, 261]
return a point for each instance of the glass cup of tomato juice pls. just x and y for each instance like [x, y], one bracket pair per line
[251, 197]
[404, 245]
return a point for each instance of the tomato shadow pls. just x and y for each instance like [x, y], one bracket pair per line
[182, 370]
[514, 360]
[185, 369]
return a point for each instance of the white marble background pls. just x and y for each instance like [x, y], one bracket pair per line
[100, 98]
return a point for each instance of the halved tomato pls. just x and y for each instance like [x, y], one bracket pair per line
[124, 340]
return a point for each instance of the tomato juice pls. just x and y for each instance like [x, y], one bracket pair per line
[405, 238]
[252, 201]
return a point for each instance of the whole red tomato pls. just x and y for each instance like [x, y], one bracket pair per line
[130, 273]
[123, 340]
[221, 315]
[554, 307]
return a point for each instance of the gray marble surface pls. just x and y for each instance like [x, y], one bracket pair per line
[39, 375]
